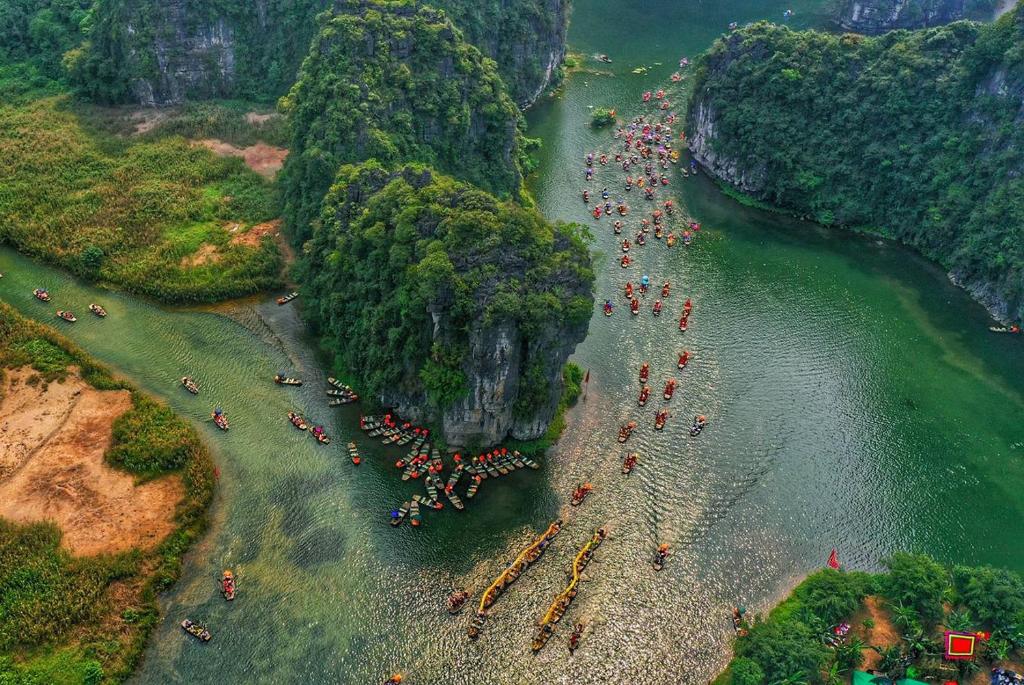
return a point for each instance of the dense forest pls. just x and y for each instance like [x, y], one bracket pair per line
[896, 619]
[85, 619]
[413, 277]
[911, 135]
[395, 82]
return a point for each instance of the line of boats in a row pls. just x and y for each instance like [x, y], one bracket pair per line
[43, 295]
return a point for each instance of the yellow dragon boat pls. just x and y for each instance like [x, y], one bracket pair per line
[546, 625]
[529, 555]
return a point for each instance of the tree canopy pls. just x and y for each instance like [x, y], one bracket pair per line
[913, 135]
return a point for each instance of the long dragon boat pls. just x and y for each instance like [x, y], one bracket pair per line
[512, 572]
[558, 607]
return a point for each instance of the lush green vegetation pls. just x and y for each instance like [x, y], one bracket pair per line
[61, 620]
[131, 213]
[913, 135]
[41, 33]
[602, 117]
[572, 386]
[397, 252]
[431, 97]
[265, 42]
[519, 36]
[794, 643]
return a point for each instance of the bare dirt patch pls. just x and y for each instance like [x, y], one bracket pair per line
[52, 442]
[265, 160]
[145, 120]
[883, 634]
[256, 233]
[206, 254]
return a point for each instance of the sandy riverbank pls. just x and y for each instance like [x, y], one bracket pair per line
[53, 438]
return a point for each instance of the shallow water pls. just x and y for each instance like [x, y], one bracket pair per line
[855, 400]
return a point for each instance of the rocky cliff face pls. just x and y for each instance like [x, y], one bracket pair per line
[878, 134]
[878, 16]
[160, 53]
[526, 38]
[468, 307]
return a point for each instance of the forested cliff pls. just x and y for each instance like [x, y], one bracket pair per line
[395, 81]
[445, 302]
[913, 135]
[165, 52]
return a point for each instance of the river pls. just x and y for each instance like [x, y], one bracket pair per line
[855, 400]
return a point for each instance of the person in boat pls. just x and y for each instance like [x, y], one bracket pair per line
[394, 680]
[645, 282]
[597, 212]
[644, 394]
[649, 193]
[687, 306]
[608, 308]
[665, 289]
[623, 209]
[629, 182]
[684, 358]
[645, 370]
[625, 261]
[647, 96]
[641, 239]
[629, 289]
[608, 207]
[657, 307]
[670, 239]
[586, 196]
[617, 227]
[604, 194]
[683, 323]
[590, 158]
[604, 160]
[634, 306]
[662, 554]
[626, 245]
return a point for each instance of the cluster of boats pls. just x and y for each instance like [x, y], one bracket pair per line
[510, 575]
[43, 295]
[340, 393]
[318, 432]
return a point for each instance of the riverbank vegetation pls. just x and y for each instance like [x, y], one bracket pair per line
[896, 623]
[84, 619]
[412, 277]
[911, 135]
[158, 217]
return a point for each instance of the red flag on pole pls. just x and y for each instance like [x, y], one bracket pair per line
[833, 560]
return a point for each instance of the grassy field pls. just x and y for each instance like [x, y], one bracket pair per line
[67, 619]
[147, 214]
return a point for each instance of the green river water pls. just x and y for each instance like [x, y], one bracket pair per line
[855, 400]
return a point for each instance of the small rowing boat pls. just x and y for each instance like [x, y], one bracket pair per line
[41, 294]
[629, 463]
[456, 601]
[397, 516]
[338, 384]
[574, 639]
[580, 494]
[337, 402]
[338, 393]
[285, 299]
[220, 419]
[353, 453]
[473, 487]
[98, 310]
[626, 431]
[320, 435]
[227, 584]
[660, 556]
[415, 519]
[67, 316]
[698, 425]
[1004, 329]
[298, 421]
[195, 630]
[528, 461]
[190, 385]
[281, 379]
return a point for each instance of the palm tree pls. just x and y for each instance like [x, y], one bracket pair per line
[902, 615]
[794, 679]
[959, 621]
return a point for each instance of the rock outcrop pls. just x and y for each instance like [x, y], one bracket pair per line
[467, 307]
[913, 135]
[161, 53]
[878, 16]
[395, 82]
